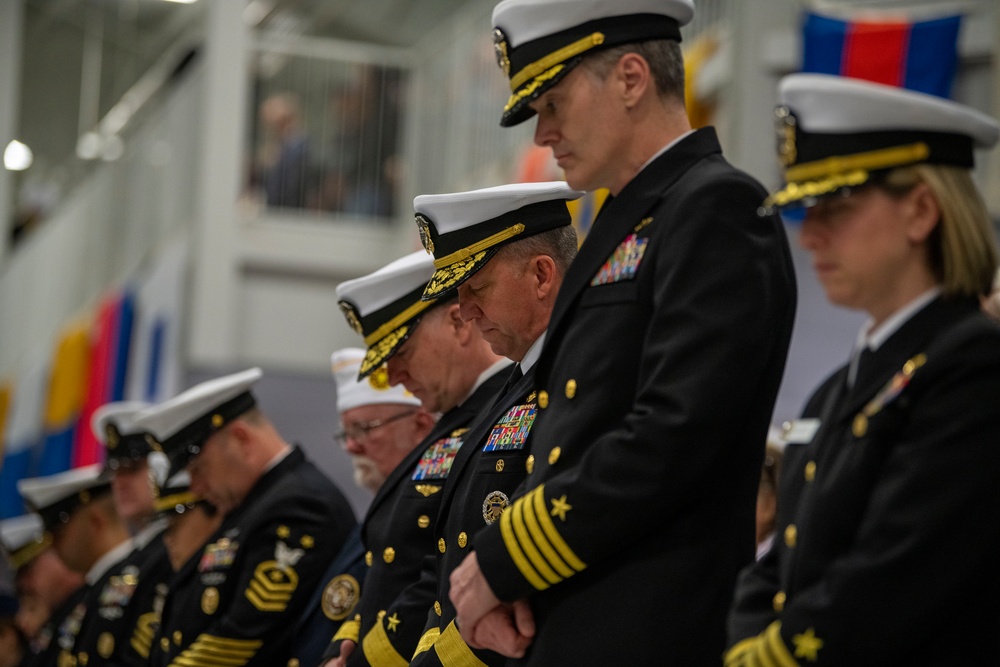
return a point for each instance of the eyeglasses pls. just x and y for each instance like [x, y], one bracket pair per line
[358, 432]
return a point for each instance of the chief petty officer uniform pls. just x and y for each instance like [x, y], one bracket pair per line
[147, 568]
[495, 460]
[24, 539]
[656, 384]
[888, 509]
[87, 634]
[396, 530]
[236, 604]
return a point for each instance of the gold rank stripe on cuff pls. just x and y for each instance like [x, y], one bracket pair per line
[142, 637]
[534, 543]
[452, 650]
[348, 630]
[772, 651]
[211, 651]
[378, 649]
[426, 642]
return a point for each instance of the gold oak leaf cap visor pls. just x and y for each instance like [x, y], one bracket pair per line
[385, 307]
[835, 132]
[538, 42]
[464, 230]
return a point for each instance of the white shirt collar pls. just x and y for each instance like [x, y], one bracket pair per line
[495, 368]
[104, 563]
[535, 351]
[663, 150]
[278, 458]
[148, 532]
[873, 338]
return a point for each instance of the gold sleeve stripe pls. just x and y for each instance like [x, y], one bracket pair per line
[208, 650]
[142, 637]
[426, 642]
[514, 549]
[774, 652]
[348, 630]
[521, 532]
[552, 533]
[453, 651]
[379, 650]
[739, 650]
[543, 544]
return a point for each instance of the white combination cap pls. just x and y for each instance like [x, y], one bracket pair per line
[113, 426]
[385, 307]
[537, 42]
[836, 132]
[54, 497]
[463, 230]
[182, 424]
[23, 538]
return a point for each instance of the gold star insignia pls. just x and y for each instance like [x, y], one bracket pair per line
[807, 645]
[560, 507]
[283, 531]
[393, 621]
[307, 541]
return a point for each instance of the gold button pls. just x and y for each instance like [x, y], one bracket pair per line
[554, 455]
[499, 465]
[165, 644]
[441, 545]
[369, 559]
[463, 539]
[423, 521]
[779, 601]
[529, 465]
[437, 607]
[294, 662]
[860, 426]
[389, 555]
[84, 658]
[791, 533]
[178, 637]
[810, 471]
[543, 399]
[570, 388]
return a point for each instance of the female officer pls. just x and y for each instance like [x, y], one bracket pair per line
[887, 550]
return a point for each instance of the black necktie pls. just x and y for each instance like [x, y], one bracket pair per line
[515, 376]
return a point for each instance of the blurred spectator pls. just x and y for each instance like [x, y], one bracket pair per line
[13, 645]
[287, 172]
[362, 170]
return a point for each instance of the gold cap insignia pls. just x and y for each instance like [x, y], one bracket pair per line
[340, 597]
[112, 434]
[351, 315]
[424, 228]
[217, 420]
[784, 127]
[500, 50]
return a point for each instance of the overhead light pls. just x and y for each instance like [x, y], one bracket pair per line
[17, 156]
[183, 2]
[89, 146]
